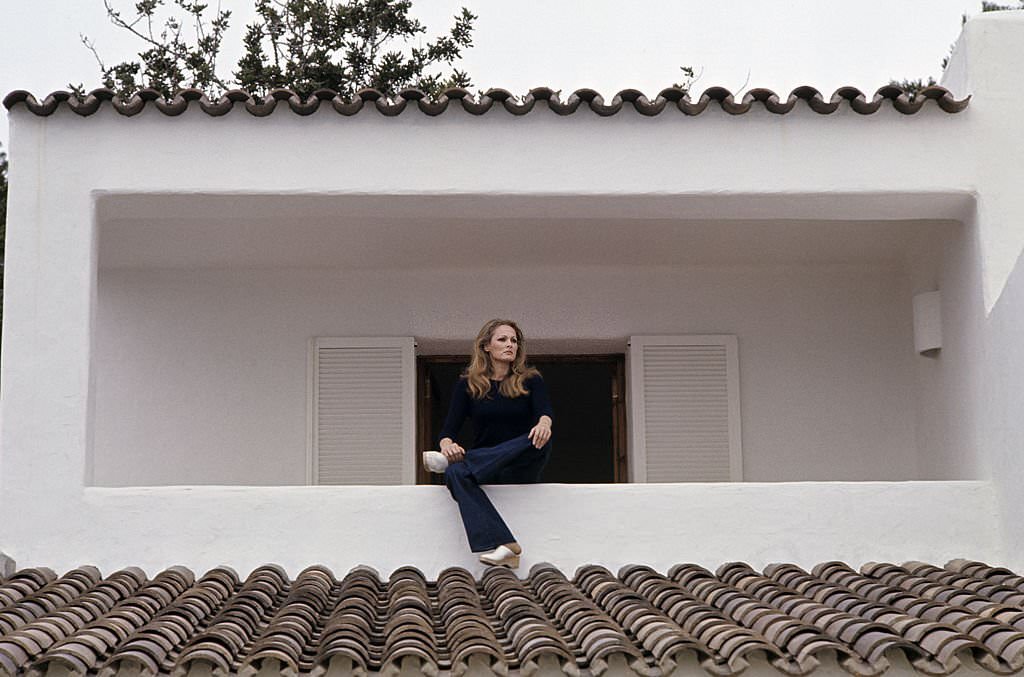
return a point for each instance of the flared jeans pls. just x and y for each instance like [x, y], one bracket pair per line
[514, 462]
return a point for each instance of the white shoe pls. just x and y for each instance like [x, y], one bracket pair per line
[502, 556]
[435, 461]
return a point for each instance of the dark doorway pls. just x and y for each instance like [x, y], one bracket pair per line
[589, 431]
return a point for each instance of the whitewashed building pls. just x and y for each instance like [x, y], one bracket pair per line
[168, 275]
[219, 318]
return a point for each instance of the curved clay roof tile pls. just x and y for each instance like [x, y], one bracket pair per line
[689, 104]
[936, 618]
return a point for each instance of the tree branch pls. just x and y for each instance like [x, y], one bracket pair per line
[92, 48]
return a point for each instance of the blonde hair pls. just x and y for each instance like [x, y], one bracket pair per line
[478, 373]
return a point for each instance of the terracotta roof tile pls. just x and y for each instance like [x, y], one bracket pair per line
[501, 99]
[935, 618]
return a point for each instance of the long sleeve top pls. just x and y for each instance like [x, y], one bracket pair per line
[496, 418]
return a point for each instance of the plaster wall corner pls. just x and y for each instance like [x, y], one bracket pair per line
[984, 66]
[50, 293]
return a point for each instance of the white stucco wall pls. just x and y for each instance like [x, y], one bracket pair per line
[568, 525]
[982, 65]
[757, 166]
[971, 413]
[1001, 413]
[201, 376]
[949, 382]
[990, 371]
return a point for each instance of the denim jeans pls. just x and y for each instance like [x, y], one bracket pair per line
[514, 462]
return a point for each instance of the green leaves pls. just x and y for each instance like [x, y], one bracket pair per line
[913, 87]
[307, 45]
[174, 58]
[999, 7]
[304, 45]
[689, 77]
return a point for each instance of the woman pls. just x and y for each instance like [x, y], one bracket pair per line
[511, 413]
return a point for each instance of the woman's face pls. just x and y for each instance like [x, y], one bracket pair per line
[503, 346]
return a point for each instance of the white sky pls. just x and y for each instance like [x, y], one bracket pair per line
[569, 44]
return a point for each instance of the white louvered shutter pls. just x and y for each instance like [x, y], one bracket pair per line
[363, 428]
[685, 409]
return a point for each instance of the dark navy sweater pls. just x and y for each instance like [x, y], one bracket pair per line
[496, 418]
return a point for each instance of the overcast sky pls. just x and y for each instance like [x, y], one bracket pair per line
[569, 44]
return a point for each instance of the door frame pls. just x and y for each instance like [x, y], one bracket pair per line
[620, 434]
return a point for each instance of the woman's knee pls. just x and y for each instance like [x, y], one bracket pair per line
[456, 473]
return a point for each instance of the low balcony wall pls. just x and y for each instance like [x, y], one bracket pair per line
[568, 525]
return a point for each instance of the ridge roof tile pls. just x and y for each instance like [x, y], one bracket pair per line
[666, 99]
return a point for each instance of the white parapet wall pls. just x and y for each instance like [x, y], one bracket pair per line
[568, 525]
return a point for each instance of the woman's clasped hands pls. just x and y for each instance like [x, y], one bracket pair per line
[452, 451]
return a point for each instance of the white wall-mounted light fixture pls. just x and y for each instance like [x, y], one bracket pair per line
[928, 323]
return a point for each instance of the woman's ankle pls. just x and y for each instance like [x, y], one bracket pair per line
[514, 547]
